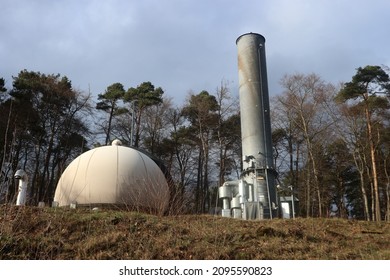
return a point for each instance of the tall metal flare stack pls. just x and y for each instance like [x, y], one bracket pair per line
[254, 195]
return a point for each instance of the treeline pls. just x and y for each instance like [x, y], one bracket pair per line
[331, 142]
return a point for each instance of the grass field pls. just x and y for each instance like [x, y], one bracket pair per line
[63, 234]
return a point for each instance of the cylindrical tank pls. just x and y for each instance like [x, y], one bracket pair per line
[255, 119]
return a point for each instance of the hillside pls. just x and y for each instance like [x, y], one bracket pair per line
[54, 233]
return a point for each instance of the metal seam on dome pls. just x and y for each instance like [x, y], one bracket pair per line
[74, 177]
[143, 161]
[117, 171]
[86, 175]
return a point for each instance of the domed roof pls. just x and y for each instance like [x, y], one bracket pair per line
[113, 175]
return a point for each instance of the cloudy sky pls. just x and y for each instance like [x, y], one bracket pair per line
[183, 45]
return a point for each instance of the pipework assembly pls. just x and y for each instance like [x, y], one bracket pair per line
[21, 175]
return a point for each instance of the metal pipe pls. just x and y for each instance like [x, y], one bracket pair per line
[21, 175]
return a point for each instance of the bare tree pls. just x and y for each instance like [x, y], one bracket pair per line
[305, 98]
[227, 132]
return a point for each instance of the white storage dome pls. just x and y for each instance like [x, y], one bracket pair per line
[114, 175]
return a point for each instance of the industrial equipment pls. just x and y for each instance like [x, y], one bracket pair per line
[254, 195]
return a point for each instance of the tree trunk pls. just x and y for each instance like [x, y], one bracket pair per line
[35, 176]
[308, 193]
[359, 164]
[45, 178]
[315, 173]
[109, 124]
[3, 179]
[340, 199]
[297, 167]
[388, 200]
[316, 182]
[376, 201]
[290, 152]
[137, 135]
[206, 206]
[387, 215]
[198, 193]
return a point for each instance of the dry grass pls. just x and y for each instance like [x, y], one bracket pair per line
[55, 233]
